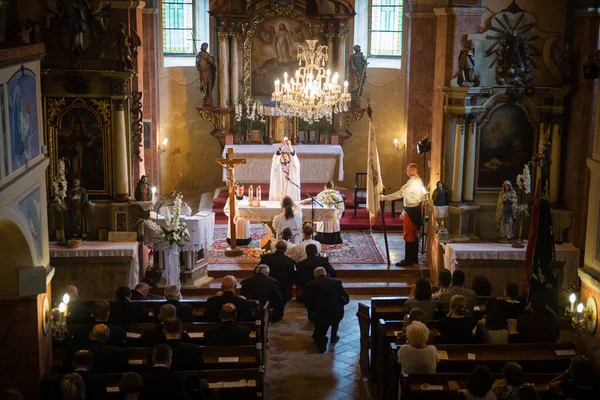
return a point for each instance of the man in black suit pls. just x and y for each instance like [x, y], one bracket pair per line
[184, 312]
[94, 389]
[117, 337]
[157, 335]
[305, 269]
[78, 313]
[159, 382]
[142, 292]
[107, 358]
[228, 333]
[123, 311]
[186, 356]
[283, 268]
[325, 297]
[263, 288]
[214, 304]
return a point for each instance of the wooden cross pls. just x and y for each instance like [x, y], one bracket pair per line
[231, 164]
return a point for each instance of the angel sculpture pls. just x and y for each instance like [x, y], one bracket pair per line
[127, 48]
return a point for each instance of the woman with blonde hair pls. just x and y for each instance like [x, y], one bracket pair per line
[416, 357]
[289, 218]
[72, 387]
[457, 326]
[506, 212]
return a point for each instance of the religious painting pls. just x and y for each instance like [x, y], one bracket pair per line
[4, 131]
[505, 145]
[31, 210]
[121, 222]
[274, 50]
[23, 117]
[79, 131]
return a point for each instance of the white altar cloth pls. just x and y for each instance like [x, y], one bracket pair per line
[201, 227]
[269, 209]
[565, 252]
[103, 249]
[317, 162]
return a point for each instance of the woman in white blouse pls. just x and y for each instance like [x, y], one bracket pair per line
[289, 218]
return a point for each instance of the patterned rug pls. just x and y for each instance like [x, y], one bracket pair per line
[358, 248]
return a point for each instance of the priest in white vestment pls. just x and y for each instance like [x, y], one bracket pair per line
[328, 232]
[242, 226]
[289, 218]
[285, 165]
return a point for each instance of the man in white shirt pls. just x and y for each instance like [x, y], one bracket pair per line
[242, 225]
[412, 196]
[299, 252]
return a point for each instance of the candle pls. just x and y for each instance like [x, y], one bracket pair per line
[258, 193]
[345, 87]
[251, 192]
[153, 194]
[572, 298]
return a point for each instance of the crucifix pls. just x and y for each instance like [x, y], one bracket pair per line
[230, 164]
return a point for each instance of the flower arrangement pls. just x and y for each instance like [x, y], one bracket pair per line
[524, 185]
[255, 252]
[331, 198]
[254, 110]
[174, 231]
[59, 203]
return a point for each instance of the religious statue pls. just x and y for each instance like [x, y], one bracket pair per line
[441, 196]
[543, 160]
[78, 205]
[566, 64]
[143, 190]
[357, 72]
[25, 32]
[466, 65]
[506, 212]
[205, 64]
[126, 48]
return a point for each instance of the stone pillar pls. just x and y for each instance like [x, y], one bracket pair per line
[223, 72]
[471, 139]
[457, 170]
[121, 172]
[555, 166]
[341, 57]
[235, 69]
[330, 50]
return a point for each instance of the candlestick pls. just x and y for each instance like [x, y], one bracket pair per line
[572, 299]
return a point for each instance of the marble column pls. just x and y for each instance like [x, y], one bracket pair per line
[223, 73]
[121, 173]
[330, 52]
[555, 166]
[341, 57]
[471, 139]
[235, 69]
[457, 170]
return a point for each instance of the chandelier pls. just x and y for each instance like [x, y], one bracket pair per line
[313, 92]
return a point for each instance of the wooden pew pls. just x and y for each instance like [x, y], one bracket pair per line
[364, 323]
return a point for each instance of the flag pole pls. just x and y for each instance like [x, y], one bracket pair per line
[382, 203]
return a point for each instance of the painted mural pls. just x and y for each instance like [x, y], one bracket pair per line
[31, 209]
[505, 145]
[3, 130]
[23, 120]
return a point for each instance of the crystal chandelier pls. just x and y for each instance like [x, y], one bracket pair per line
[313, 93]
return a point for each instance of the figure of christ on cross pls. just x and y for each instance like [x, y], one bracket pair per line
[230, 164]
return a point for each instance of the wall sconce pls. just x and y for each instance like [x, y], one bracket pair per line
[397, 146]
[58, 319]
[162, 148]
[583, 317]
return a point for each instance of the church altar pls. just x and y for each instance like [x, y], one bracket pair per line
[201, 227]
[502, 262]
[317, 162]
[96, 268]
[269, 209]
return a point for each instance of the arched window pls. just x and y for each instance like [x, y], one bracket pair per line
[385, 28]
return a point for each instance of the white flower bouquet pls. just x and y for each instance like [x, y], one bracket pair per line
[174, 231]
[254, 252]
[331, 198]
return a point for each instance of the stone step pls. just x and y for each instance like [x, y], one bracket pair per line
[380, 271]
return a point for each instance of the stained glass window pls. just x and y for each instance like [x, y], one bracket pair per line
[385, 28]
[178, 26]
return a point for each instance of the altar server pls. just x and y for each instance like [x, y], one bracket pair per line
[328, 232]
[242, 226]
[412, 195]
[285, 168]
[289, 218]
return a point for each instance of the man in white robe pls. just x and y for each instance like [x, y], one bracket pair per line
[242, 226]
[285, 165]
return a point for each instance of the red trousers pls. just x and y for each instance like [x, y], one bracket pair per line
[410, 229]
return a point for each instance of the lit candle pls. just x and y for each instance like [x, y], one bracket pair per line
[396, 143]
[62, 308]
[579, 311]
[153, 194]
[345, 87]
[572, 299]
[285, 78]
[165, 141]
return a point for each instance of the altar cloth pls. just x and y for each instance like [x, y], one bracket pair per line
[201, 227]
[269, 209]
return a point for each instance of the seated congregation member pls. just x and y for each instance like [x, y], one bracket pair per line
[228, 333]
[131, 386]
[160, 383]
[107, 358]
[118, 336]
[83, 362]
[299, 253]
[509, 387]
[481, 286]
[537, 325]
[78, 313]
[416, 314]
[328, 232]
[493, 328]
[283, 269]
[422, 299]
[123, 311]
[265, 289]
[184, 312]
[186, 356]
[289, 218]
[286, 236]
[242, 225]
[416, 357]
[479, 384]
[326, 298]
[511, 302]
[72, 387]
[305, 269]
[444, 281]
[152, 337]
[142, 292]
[196, 388]
[214, 304]
[457, 326]
[458, 280]
[579, 382]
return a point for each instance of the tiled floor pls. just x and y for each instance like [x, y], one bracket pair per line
[296, 371]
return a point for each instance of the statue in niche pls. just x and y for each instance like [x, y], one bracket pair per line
[143, 190]
[441, 196]
[25, 32]
[566, 64]
[506, 212]
[205, 64]
[466, 65]
[78, 204]
[357, 72]
[126, 48]
[543, 160]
